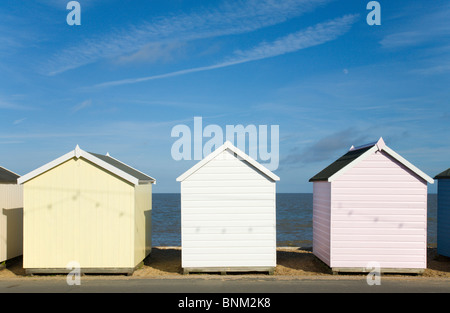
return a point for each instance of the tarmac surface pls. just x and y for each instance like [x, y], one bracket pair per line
[227, 285]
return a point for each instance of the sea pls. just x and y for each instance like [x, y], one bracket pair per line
[294, 219]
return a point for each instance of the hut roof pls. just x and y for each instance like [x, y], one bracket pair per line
[124, 167]
[239, 153]
[8, 177]
[339, 164]
[355, 155]
[444, 175]
[104, 161]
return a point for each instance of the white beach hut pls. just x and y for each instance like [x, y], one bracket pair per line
[11, 212]
[228, 214]
[88, 209]
[369, 208]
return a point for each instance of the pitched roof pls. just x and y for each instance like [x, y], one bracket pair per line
[443, 175]
[124, 167]
[339, 164]
[228, 145]
[8, 177]
[358, 154]
[106, 162]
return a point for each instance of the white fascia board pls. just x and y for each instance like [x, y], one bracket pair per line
[399, 158]
[252, 161]
[392, 153]
[352, 164]
[241, 154]
[153, 180]
[201, 163]
[77, 153]
[109, 167]
[46, 167]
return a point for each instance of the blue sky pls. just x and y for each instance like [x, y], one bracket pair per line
[132, 70]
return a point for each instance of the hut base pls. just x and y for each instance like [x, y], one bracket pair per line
[337, 270]
[225, 270]
[119, 270]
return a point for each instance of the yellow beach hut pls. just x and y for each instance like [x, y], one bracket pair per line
[87, 209]
[11, 209]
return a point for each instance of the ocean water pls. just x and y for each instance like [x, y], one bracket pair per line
[294, 219]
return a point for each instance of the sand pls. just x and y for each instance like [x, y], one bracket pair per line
[292, 263]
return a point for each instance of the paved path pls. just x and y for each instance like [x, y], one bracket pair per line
[219, 285]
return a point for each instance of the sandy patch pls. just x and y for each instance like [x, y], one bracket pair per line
[292, 262]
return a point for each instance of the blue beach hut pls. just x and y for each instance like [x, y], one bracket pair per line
[443, 214]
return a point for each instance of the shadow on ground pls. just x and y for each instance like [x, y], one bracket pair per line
[14, 267]
[166, 260]
[437, 265]
[297, 261]
[290, 262]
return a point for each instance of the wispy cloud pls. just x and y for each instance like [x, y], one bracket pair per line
[19, 121]
[82, 105]
[428, 28]
[61, 5]
[153, 52]
[433, 69]
[230, 18]
[326, 148]
[7, 105]
[312, 36]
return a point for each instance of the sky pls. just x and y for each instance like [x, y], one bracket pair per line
[134, 70]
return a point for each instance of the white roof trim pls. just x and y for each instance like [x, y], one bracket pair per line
[362, 147]
[154, 180]
[45, 167]
[380, 145]
[399, 158]
[352, 164]
[239, 153]
[77, 153]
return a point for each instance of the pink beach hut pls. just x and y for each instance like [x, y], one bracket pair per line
[370, 210]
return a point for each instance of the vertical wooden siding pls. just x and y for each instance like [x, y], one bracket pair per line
[143, 222]
[78, 212]
[228, 216]
[11, 224]
[379, 213]
[443, 217]
[321, 220]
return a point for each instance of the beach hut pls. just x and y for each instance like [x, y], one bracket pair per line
[370, 208]
[89, 210]
[228, 221]
[11, 210]
[443, 213]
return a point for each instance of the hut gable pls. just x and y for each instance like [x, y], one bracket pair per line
[106, 162]
[234, 151]
[371, 206]
[87, 208]
[358, 154]
[228, 216]
[340, 164]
